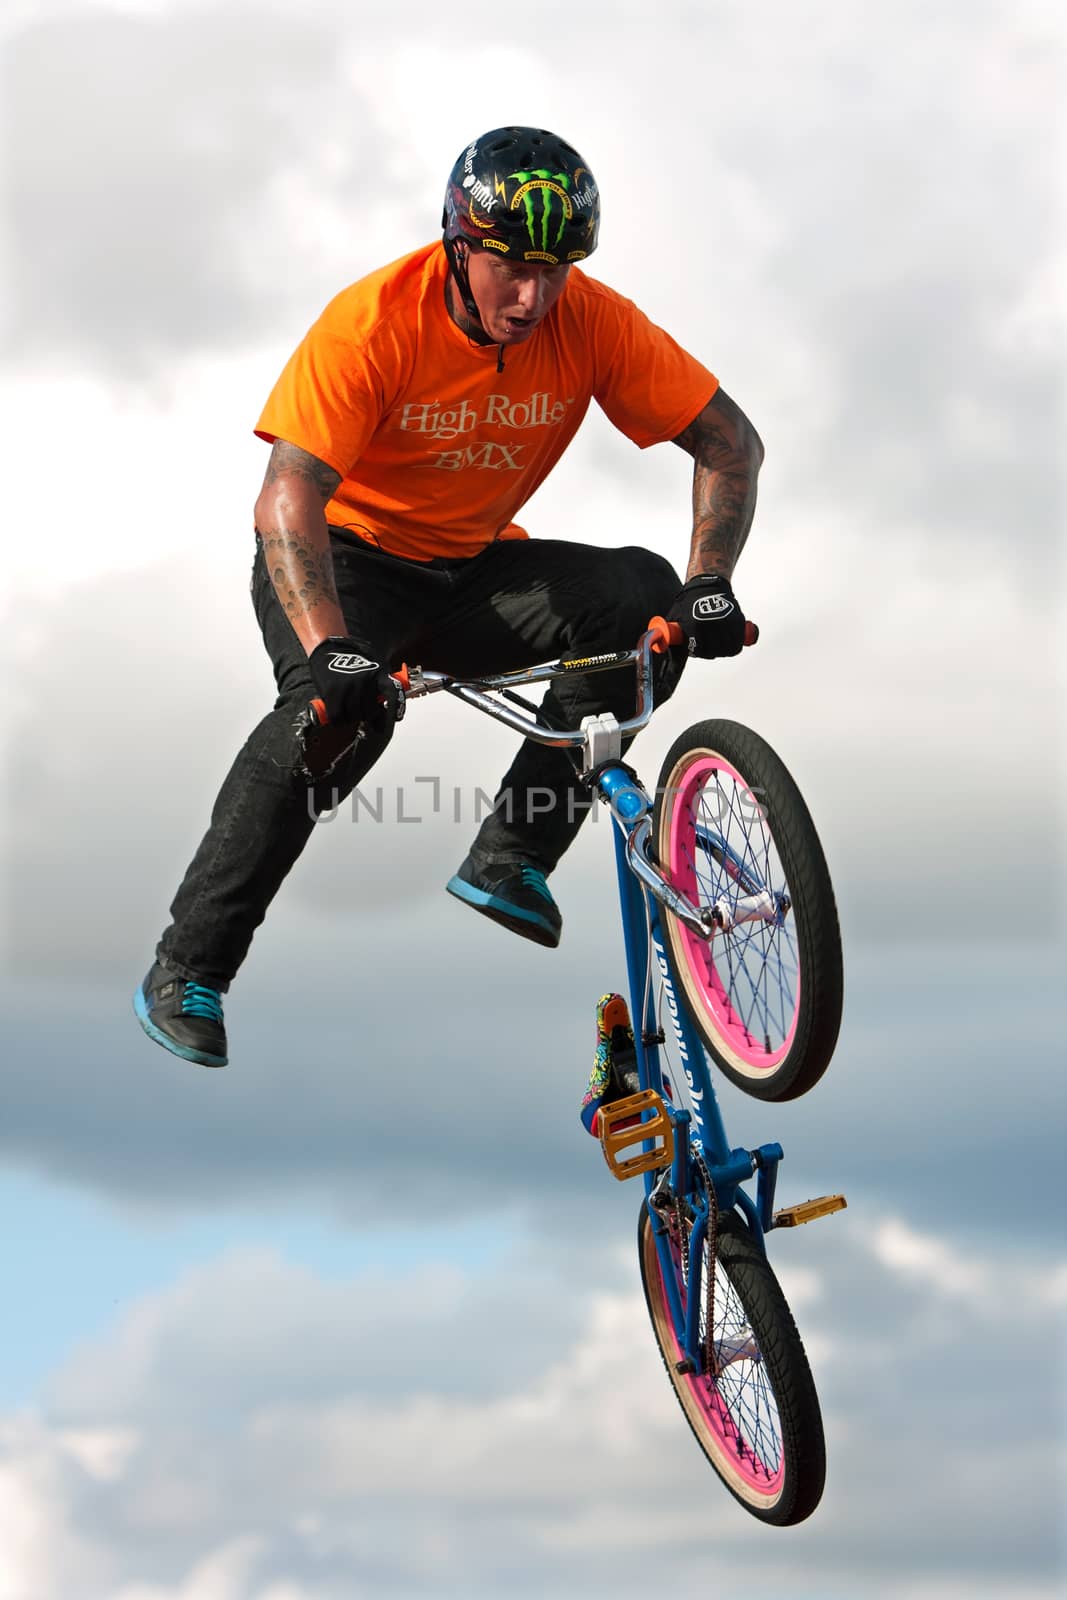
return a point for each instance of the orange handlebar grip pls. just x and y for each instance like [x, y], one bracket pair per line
[319, 708]
[667, 633]
[403, 677]
[670, 633]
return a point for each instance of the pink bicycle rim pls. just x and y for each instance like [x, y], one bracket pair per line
[724, 1019]
[743, 1458]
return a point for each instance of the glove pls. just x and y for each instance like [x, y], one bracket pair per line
[709, 616]
[354, 687]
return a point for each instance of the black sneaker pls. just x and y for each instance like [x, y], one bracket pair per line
[183, 1016]
[513, 894]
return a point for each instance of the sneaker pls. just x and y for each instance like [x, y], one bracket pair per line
[614, 1073]
[183, 1016]
[513, 894]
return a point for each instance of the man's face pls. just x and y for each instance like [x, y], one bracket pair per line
[513, 297]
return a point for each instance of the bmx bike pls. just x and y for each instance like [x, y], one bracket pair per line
[733, 954]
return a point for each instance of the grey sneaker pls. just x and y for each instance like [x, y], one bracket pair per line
[183, 1016]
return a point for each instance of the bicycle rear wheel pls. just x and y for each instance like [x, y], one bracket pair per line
[757, 1417]
[733, 832]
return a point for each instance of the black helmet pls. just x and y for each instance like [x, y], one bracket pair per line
[525, 193]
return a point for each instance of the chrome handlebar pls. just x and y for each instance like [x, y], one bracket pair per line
[415, 682]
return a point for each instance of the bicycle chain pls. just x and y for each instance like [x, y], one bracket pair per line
[680, 1224]
[711, 1257]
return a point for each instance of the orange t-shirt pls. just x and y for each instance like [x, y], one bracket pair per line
[438, 450]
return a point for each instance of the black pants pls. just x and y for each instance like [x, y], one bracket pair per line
[516, 603]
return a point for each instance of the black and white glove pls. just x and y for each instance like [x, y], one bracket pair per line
[709, 616]
[352, 684]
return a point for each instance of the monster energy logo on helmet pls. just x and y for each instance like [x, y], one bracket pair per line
[524, 192]
[546, 202]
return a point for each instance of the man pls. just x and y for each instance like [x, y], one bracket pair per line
[417, 416]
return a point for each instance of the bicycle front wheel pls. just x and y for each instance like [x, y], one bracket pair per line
[753, 1409]
[734, 835]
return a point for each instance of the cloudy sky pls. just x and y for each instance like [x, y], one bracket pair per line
[267, 1335]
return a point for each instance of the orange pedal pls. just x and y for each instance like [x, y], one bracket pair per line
[807, 1210]
[623, 1124]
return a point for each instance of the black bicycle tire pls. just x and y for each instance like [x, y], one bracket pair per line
[783, 1354]
[814, 908]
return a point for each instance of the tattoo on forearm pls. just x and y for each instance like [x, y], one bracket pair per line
[299, 562]
[726, 453]
[287, 460]
[301, 574]
[724, 504]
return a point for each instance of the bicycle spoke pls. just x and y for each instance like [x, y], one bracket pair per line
[742, 1386]
[756, 963]
[737, 1392]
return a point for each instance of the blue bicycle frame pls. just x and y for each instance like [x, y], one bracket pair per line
[648, 967]
[641, 888]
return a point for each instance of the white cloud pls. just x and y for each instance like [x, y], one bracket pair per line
[102, 1453]
[223, 1575]
[251, 1431]
[42, 1555]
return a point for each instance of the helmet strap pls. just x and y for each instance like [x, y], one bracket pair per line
[457, 262]
[458, 265]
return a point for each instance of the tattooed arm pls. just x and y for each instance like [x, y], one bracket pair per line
[291, 522]
[727, 454]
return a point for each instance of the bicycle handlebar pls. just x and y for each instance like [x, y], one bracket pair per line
[659, 636]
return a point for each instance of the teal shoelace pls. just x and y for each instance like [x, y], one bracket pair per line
[534, 878]
[198, 1001]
